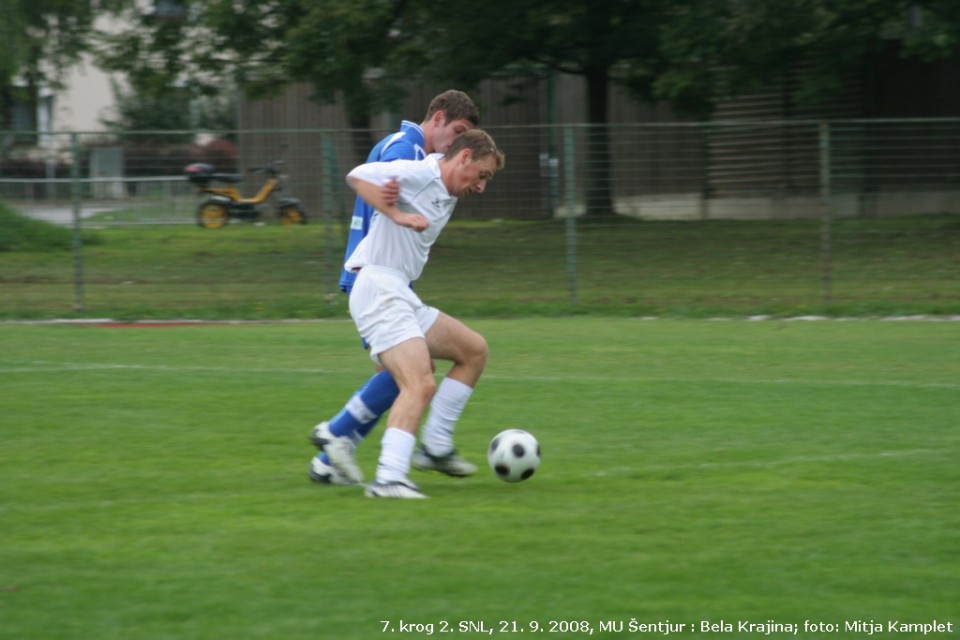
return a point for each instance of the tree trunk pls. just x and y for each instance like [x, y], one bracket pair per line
[599, 178]
[361, 137]
[358, 115]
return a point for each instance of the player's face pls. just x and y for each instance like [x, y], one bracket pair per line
[472, 176]
[444, 134]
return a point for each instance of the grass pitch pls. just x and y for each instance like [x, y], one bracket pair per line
[153, 485]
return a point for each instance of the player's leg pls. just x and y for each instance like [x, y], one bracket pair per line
[377, 397]
[392, 319]
[411, 367]
[450, 339]
[379, 309]
[355, 420]
[359, 416]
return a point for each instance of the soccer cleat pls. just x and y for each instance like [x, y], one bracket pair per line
[451, 464]
[323, 473]
[405, 489]
[339, 450]
[315, 435]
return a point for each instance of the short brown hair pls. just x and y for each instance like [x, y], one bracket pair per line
[480, 143]
[456, 105]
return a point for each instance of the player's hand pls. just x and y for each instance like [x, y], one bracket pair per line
[413, 221]
[391, 192]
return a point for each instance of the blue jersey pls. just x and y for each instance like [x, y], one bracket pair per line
[406, 144]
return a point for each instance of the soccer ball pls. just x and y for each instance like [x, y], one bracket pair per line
[514, 455]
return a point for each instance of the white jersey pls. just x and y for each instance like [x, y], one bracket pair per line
[421, 191]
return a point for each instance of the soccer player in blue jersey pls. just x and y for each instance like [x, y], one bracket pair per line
[448, 115]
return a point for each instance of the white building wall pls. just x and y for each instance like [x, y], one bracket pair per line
[87, 97]
[85, 101]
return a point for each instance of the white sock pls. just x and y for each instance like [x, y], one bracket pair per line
[445, 409]
[396, 447]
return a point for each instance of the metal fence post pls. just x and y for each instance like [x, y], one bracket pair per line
[77, 224]
[329, 177]
[569, 176]
[826, 216]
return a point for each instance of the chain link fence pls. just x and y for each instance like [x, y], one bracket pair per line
[614, 204]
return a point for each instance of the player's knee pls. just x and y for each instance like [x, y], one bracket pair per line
[419, 389]
[480, 352]
[426, 386]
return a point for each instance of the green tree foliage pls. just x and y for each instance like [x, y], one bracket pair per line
[165, 50]
[180, 71]
[12, 42]
[720, 48]
[464, 42]
[344, 46]
[156, 115]
[260, 45]
[933, 29]
[39, 39]
[688, 52]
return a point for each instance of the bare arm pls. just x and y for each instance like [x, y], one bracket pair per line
[391, 191]
[379, 198]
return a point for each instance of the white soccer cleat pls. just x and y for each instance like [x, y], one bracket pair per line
[323, 473]
[340, 451]
[398, 489]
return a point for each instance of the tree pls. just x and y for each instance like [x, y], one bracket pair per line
[169, 59]
[686, 52]
[598, 41]
[39, 39]
[690, 53]
[176, 109]
[261, 46]
[722, 48]
[361, 50]
[341, 47]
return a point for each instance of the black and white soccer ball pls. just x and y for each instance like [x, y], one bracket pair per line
[514, 455]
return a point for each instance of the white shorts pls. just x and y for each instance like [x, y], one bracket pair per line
[387, 311]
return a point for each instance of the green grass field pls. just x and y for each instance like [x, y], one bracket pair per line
[153, 485]
[621, 267]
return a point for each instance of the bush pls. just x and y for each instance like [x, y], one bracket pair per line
[21, 165]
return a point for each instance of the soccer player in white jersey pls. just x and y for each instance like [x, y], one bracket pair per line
[404, 334]
[449, 114]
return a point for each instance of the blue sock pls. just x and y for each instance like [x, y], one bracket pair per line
[362, 412]
[378, 395]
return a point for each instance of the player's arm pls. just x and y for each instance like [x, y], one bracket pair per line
[374, 195]
[401, 150]
[390, 192]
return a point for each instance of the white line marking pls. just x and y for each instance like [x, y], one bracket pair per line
[66, 367]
